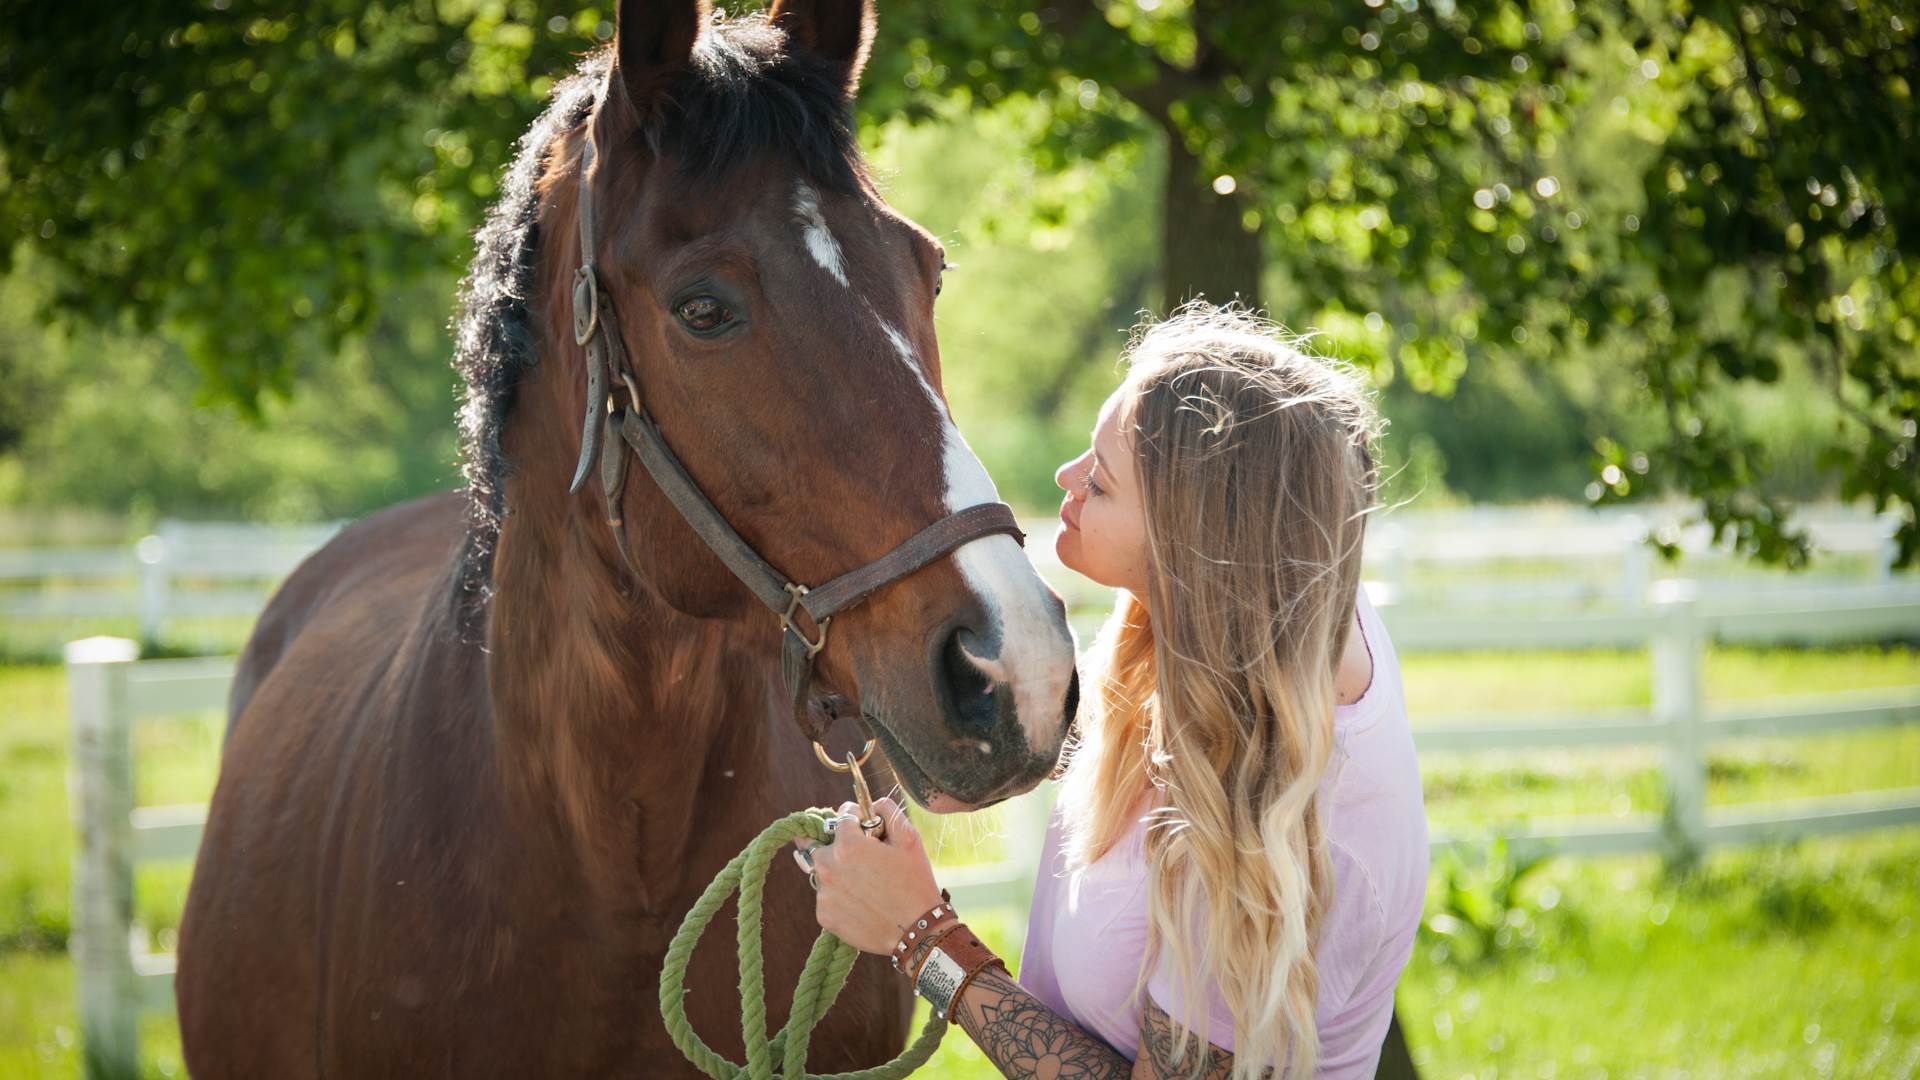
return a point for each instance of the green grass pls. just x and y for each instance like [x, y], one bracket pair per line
[175, 757]
[1480, 686]
[1465, 791]
[1769, 963]
[39, 1035]
[1772, 963]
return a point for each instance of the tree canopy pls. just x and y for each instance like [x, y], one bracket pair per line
[1684, 196]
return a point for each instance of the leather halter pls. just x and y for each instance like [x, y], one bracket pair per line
[595, 328]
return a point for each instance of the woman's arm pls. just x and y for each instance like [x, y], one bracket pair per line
[1160, 1054]
[868, 891]
[1023, 1038]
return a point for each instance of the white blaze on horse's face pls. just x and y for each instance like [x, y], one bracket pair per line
[1036, 648]
[1035, 656]
[813, 229]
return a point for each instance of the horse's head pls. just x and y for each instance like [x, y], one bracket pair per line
[778, 317]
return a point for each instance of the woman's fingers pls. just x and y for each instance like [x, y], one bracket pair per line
[895, 816]
[867, 888]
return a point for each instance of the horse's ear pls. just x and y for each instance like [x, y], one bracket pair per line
[654, 41]
[837, 31]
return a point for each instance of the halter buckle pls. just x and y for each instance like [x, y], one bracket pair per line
[795, 592]
[586, 303]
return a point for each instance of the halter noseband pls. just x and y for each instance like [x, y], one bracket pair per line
[595, 329]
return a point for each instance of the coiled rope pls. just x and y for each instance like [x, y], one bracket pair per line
[821, 979]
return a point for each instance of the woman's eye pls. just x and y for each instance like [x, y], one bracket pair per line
[703, 314]
[1092, 485]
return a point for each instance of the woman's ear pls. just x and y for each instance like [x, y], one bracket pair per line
[839, 32]
[654, 41]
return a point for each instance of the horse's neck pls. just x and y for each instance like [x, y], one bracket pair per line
[610, 709]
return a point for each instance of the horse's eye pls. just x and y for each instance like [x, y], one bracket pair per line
[703, 314]
[941, 281]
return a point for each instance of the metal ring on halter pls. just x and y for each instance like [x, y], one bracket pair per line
[633, 392]
[865, 753]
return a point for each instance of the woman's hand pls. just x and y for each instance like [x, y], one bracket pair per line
[869, 890]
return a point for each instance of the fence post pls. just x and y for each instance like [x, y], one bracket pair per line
[1889, 552]
[1636, 568]
[101, 790]
[1389, 548]
[1679, 702]
[154, 552]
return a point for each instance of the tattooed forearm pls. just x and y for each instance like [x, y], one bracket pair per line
[1023, 1038]
[1160, 1048]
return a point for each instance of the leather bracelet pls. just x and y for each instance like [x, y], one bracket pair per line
[917, 929]
[951, 966]
[910, 967]
[960, 994]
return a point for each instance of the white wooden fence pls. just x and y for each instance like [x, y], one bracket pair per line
[1598, 558]
[1591, 560]
[183, 569]
[1676, 627]
[110, 690]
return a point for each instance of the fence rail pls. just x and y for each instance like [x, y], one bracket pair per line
[182, 570]
[110, 690]
[1596, 560]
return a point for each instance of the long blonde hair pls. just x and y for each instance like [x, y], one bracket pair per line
[1215, 690]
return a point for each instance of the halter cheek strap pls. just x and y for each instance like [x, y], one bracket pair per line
[608, 432]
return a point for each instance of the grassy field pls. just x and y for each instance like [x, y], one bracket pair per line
[1772, 962]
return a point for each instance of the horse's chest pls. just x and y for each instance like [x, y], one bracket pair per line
[559, 1003]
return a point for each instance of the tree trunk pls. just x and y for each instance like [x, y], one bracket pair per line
[1205, 250]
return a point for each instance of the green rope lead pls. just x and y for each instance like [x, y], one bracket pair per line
[821, 979]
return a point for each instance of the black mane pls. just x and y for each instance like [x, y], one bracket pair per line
[742, 96]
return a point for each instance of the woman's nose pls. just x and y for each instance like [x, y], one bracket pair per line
[1068, 476]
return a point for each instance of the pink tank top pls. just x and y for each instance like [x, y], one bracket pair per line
[1085, 944]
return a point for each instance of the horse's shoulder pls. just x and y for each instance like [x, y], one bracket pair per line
[370, 574]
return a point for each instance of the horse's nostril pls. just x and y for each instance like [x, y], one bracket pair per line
[974, 709]
[1072, 707]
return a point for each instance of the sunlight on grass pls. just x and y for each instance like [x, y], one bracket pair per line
[1622, 950]
[1775, 962]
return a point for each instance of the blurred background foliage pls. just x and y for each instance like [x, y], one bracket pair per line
[1592, 251]
[1604, 251]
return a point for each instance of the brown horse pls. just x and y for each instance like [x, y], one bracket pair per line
[478, 766]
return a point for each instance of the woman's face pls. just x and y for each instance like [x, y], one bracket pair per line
[1103, 525]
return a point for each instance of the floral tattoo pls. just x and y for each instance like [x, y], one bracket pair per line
[1159, 1044]
[1024, 1038]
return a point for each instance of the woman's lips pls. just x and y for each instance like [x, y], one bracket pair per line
[1067, 517]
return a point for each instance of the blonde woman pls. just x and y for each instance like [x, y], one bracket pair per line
[1234, 871]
